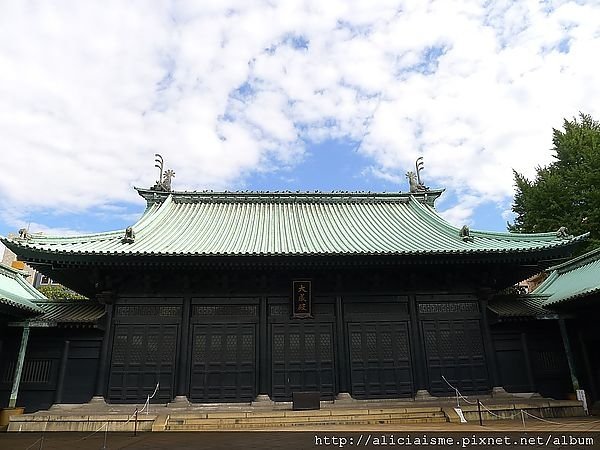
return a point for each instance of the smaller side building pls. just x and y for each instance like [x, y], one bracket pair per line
[61, 344]
[572, 290]
[553, 332]
[17, 296]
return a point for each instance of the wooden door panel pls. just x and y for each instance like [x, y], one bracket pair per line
[223, 366]
[454, 350]
[302, 359]
[380, 363]
[142, 356]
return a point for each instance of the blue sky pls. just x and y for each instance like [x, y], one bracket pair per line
[297, 94]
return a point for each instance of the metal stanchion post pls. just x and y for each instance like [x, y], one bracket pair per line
[135, 423]
[479, 410]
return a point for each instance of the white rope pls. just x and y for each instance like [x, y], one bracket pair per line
[458, 394]
[132, 416]
[155, 390]
[135, 412]
[34, 443]
[466, 399]
[543, 420]
[147, 404]
[85, 437]
[497, 415]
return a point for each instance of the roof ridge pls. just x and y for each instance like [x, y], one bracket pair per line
[18, 278]
[285, 192]
[152, 196]
[578, 261]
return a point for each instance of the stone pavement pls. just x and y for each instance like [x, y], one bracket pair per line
[571, 428]
[277, 416]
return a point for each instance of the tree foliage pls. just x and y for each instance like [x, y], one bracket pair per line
[59, 292]
[567, 191]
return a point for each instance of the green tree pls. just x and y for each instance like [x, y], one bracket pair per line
[59, 292]
[567, 191]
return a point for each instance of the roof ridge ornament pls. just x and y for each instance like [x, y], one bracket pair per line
[563, 233]
[164, 177]
[465, 234]
[414, 178]
[129, 237]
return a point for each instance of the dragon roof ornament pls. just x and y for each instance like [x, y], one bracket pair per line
[165, 176]
[414, 178]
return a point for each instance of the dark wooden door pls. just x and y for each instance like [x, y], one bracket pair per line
[302, 359]
[454, 350]
[380, 362]
[223, 366]
[143, 356]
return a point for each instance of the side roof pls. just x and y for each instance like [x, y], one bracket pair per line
[574, 279]
[16, 293]
[66, 313]
[522, 307]
[285, 223]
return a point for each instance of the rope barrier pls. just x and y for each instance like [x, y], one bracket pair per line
[34, 443]
[498, 415]
[90, 435]
[147, 404]
[542, 419]
[521, 412]
[134, 414]
[458, 394]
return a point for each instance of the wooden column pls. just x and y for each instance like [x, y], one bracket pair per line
[567, 344]
[263, 345]
[417, 349]
[342, 347]
[103, 365]
[488, 346]
[588, 367]
[58, 396]
[525, 348]
[183, 368]
[19, 367]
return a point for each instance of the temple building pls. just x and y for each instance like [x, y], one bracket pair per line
[254, 296]
[572, 293]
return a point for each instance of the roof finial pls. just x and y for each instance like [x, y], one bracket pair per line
[159, 165]
[164, 177]
[419, 165]
[414, 178]
[167, 177]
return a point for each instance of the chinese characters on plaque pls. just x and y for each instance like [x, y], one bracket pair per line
[301, 299]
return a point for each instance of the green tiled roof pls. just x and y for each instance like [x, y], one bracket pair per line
[67, 312]
[579, 277]
[523, 307]
[16, 293]
[258, 223]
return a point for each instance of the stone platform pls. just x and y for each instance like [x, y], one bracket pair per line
[266, 415]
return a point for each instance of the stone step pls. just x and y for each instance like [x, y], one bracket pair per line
[319, 412]
[339, 420]
[305, 416]
[283, 419]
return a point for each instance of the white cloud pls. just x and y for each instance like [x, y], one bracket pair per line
[89, 91]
